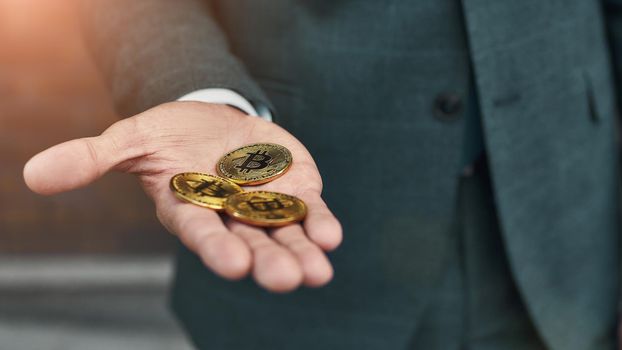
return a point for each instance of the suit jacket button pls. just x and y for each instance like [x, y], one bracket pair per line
[448, 106]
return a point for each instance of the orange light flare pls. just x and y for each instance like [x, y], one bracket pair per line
[49, 88]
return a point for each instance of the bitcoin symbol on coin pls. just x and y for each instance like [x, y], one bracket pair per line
[209, 188]
[255, 161]
[261, 204]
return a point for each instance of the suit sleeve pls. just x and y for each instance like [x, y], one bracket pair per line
[612, 10]
[155, 51]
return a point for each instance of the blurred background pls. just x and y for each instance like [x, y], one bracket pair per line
[88, 269]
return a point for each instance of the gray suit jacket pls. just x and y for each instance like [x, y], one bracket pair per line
[356, 82]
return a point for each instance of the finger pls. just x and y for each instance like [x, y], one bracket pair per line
[274, 268]
[77, 163]
[321, 226]
[316, 268]
[203, 232]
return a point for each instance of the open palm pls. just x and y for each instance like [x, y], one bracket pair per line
[192, 136]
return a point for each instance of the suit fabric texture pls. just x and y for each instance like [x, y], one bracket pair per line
[477, 305]
[356, 82]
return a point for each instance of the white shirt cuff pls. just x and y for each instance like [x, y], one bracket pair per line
[224, 96]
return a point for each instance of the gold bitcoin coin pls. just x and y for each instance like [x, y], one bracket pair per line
[203, 189]
[255, 164]
[268, 209]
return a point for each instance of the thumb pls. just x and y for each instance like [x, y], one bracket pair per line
[77, 163]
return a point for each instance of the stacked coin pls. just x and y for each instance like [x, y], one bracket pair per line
[203, 189]
[246, 166]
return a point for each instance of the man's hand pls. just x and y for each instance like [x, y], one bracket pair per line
[192, 136]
